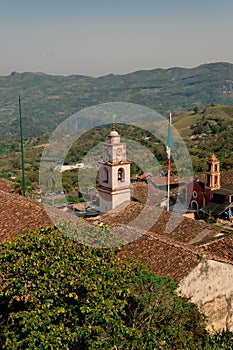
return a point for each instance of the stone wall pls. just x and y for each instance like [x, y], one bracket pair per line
[210, 286]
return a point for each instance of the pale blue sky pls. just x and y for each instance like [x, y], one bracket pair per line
[100, 37]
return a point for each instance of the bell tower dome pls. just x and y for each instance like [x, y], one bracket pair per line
[114, 173]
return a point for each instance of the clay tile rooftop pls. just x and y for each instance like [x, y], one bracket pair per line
[158, 221]
[19, 214]
[6, 186]
[222, 247]
[162, 256]
[169, 244]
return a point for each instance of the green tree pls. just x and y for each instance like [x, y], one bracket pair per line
[57, 294]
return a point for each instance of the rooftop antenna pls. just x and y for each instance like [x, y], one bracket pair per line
[22, 148]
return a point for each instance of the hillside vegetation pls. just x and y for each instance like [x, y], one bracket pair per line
[47, 99]
[204, 131]
[207, 131]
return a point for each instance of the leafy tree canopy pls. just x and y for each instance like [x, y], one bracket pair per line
[58, 294]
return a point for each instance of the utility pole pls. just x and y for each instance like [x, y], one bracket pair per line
[22, 148]
[169, 146]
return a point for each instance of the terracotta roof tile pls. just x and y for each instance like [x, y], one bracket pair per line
[185, 230]
[174, 180]
[157, 220]
[222, 247]
[19, 214]
[226, 177]
[142, 190]
[6, 186]
[163, 257]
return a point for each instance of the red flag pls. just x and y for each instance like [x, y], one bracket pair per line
[169, 164]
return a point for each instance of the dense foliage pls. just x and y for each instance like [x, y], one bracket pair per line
[57, 294]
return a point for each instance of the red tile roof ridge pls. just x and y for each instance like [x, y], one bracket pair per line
[216, 240]
[196, 250]
[162, 258]
[187, 248]
[167, 240]
[21, 198]
[221, 247]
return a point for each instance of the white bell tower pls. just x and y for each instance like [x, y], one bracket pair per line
[114, 174]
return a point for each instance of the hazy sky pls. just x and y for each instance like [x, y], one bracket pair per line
[97, 37]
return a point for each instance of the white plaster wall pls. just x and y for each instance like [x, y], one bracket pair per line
[110, 200]
[210, 286]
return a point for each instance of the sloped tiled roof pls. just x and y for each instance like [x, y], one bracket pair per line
[162, 256]
[19, 214]
[174, 180]
[222, 247]
[158, 221]
[123, 216]
[163, 253]
[142, 194]
[6, 186]
[142, 190]
[226, 177]
[185, 229]
[165, 257]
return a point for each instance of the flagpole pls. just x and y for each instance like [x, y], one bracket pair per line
[168, 187]
[169, 145]
[22, 149]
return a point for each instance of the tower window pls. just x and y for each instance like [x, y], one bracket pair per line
[121, 175]
[105, 175]
[194, 194]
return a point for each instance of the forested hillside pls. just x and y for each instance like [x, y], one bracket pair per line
[47, 99]
[204, 131]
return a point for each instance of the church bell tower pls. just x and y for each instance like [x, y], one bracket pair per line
[114, 174]
[213, 173]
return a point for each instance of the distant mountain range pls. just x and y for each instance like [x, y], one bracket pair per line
[49, 99]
